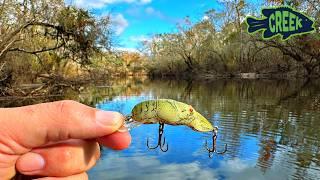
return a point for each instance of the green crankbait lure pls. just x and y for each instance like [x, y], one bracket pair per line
[171, 112]
[168, 111]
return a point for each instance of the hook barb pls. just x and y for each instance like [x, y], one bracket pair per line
[213, 149]
[151, 147]
[161, 143]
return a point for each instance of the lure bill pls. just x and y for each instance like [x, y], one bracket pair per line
[171, 112]
[281, 20]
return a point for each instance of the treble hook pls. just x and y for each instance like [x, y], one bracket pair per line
[214, 147]
[160, 143]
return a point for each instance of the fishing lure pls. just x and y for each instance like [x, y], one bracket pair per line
[168, 111]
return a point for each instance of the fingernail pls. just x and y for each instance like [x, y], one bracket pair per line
[123, 129]
[108, 118]
[31, 162]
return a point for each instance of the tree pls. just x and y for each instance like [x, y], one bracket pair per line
[42, 38]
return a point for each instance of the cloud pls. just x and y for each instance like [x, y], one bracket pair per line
[126, 49]
[96, 4]
[205, 18]
[152, 12]
[140, 166]
[144, 167]
[145, 1]
[119, 23]
[140, 38]
[134, 40]
[244, 169]
[234, 165]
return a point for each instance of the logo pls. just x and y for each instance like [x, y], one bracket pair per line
[282, 20]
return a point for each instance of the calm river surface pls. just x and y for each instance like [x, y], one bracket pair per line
[272, 130]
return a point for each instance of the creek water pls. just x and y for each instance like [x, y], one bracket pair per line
[272, 129]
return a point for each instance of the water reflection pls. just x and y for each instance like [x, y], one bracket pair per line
[272, 129]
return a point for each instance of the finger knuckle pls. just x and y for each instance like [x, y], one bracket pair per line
[58, 134]
[66, 106]
[69, 109]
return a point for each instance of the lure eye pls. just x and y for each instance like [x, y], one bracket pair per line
[191, 109]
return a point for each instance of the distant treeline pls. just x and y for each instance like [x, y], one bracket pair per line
[219, 45]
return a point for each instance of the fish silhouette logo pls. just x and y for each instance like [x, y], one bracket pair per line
[281, 20]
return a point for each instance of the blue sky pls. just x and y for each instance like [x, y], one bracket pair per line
[137, 20]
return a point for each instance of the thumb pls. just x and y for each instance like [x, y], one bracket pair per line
[36, 125]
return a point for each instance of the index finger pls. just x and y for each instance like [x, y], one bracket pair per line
[33, 126]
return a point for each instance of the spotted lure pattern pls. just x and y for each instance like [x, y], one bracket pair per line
[168, 111]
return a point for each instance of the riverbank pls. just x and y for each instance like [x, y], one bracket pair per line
[244, 75]
[59, 87]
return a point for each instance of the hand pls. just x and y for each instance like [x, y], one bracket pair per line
[57, 139]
